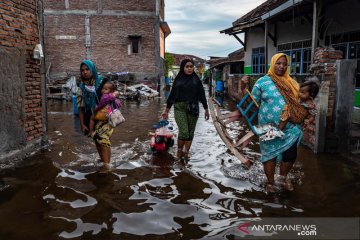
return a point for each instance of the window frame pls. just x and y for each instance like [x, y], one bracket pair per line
[302, 62]
[258, 60]
[135, 46]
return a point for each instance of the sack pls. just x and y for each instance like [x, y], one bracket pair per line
[115, 118]
[193, 108]
[102, 114]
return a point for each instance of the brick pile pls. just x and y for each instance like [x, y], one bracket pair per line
[324, 68]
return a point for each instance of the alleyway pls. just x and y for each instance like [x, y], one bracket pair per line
[59, 193]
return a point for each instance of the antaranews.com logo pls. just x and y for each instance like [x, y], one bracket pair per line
[298, 228]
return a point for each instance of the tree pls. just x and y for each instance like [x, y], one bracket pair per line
[168, 63]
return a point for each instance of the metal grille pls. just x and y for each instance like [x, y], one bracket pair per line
[294, 45]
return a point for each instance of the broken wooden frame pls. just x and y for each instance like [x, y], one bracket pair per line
[247, 110]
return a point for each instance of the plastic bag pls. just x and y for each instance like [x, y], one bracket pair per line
[115, 118]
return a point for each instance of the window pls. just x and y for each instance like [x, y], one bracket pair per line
[295, 64]
[306, 60]
[300, 60]
[134, 46]
[237, 68]
[351, 51]
[300, 55]
[258, 60]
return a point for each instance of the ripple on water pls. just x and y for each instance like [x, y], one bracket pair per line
[78, 203]
[81, 228]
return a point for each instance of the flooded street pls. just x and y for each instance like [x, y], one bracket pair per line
[58, 193]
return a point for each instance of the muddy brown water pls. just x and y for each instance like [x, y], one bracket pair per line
[59, 194]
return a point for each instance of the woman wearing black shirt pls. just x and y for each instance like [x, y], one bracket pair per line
[186, 92]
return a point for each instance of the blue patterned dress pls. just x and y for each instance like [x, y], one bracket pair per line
[271, 104]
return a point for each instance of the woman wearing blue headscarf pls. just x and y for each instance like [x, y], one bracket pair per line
[87, 98]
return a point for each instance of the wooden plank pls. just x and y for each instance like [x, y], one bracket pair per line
[245, 140]
[223, 136]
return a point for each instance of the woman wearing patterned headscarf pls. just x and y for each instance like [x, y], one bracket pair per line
[277, 92]
[87, 98]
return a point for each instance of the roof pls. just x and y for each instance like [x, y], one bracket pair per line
[233, 57]
[253, 17]
[259, 11]
[179, 57]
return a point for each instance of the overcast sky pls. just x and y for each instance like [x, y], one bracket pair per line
[195, 25]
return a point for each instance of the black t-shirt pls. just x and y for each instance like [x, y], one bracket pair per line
[187, 88]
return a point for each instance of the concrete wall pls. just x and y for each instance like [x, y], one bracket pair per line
[21, 94]
[345, 88]
[99, 30]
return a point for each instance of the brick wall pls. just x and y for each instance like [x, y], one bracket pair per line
[21, 95]
[129, 5]
[110, 43]
[234, 88]
[324, 69]
[110, 24]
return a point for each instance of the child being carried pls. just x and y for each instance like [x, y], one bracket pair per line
[107, 104]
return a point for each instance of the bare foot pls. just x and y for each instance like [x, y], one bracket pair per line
[270, 188]
[105, 168]
[286, 184]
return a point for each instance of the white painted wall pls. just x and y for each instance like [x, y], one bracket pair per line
[256, 38]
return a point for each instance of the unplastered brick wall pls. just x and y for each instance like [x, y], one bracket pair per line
[21, 98]
[324, 68]
[126, 5]
[101, 30]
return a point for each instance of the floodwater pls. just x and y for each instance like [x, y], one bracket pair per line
[59, 193]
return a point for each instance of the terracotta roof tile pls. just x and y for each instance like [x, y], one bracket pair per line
[259, 11]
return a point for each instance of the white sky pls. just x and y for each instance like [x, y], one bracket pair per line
[196, 24]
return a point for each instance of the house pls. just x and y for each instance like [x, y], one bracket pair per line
[316, 34]
[119, 36]
[199, 64]
[229, 70]
[22, 105]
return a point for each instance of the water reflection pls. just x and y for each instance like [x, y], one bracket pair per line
[60, 194]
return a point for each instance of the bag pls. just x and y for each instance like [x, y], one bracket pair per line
[115, 118]
[193, 108]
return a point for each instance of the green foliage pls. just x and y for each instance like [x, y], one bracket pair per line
[168, 63]
[206, 73]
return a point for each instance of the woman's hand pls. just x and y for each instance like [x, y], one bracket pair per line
[244, 83]
[84, 129]
[207, 114]
[165, 114]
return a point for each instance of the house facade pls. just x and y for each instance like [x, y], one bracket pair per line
[316, 35]
[22, 104]
[198, 62]
[229, 70]
[119, 36]
[290, 26]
